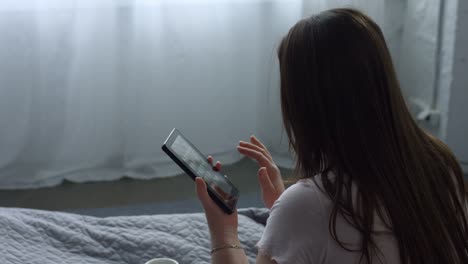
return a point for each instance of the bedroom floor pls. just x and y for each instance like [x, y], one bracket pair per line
[175, 194]
[135, 197]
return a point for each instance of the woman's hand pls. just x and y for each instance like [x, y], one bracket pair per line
[269, 175]
[223, 227]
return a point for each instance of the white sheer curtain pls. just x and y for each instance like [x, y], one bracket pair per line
[90, 89]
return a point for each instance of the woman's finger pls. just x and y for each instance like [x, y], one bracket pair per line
[265, 183]
[257, 148]
[257, 142]
[217, 167]
[202, 194]
[253, 154]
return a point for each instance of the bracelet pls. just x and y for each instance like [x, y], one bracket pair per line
[213, 250]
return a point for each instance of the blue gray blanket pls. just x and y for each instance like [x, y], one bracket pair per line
[35, 236]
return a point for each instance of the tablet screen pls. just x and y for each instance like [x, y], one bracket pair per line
[202, 168]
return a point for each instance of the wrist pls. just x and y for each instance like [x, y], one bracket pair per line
[225, 237]
[225, 247]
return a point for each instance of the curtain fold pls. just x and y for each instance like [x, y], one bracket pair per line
[89, 90]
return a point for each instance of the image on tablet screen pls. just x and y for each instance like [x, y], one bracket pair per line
[202, 168]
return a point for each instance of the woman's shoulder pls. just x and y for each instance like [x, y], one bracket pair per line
[305, 192]
[296, 231]
[303, 198]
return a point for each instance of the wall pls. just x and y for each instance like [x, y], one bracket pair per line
[455, 126]
[437, 77]
[416, 64]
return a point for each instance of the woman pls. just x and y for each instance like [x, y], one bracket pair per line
[375, 187]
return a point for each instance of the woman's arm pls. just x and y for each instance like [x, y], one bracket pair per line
[236, 257]
[261, 259]
[223, 227]
[223, 232]
[229, 256]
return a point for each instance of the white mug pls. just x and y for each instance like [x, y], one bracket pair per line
[162, 261]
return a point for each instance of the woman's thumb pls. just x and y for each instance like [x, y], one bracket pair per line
[265, 182]
[202, 193]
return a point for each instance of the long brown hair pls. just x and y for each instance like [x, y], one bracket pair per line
[344, 113]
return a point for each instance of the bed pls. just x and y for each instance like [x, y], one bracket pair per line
[36, 236]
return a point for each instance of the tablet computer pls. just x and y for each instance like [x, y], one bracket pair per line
[195, 164]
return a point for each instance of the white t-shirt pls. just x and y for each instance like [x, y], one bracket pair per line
[297, 230]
